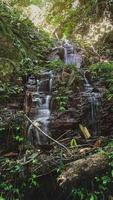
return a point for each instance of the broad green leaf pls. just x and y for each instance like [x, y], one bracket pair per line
[73, 143]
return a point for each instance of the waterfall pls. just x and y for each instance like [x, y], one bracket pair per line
[94, 98]
[42, 99]
[71, 57]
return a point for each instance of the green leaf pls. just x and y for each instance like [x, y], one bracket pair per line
[17, 128]
[73, 143]
[1, 198]
[106, 180]
[34, 183]
[93, 197]
[34, 176]
[62, 109]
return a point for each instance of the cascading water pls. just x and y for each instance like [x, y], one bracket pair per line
[71, 56]
[68, 53]
[42, 99]
[94, 98]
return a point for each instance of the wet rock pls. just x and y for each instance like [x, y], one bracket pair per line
[88, 76]
[57, 52]
[61, 53]
[44, 86]
[95, 90]
[59, 126]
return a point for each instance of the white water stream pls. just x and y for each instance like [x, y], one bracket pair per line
[71, 57]
[42, 99]
[94, 98]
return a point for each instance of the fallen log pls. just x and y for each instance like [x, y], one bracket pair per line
[84, 168]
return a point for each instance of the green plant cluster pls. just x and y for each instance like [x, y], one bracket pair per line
[100, 187]
[23, 50]
[14, 181]
[66, 86]
[54, 65]
[68, 18]
[25, 2]
[12, 131]
[15, 176]
[104, 71]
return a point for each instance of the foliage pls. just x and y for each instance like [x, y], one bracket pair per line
[24, 50]
[61, 167]
[101, 184]
[10, 186]
[67, 82]
[104, 70]
[88, 23]
[12, 130]
[73, 143]
[55, 65]
[23, 2]
[70, 16]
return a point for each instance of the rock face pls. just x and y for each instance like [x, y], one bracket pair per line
[67, 53]
[88, 76]
[85, 104]
[107, 117]
[69, 119]
[57, 53]
[79, 111]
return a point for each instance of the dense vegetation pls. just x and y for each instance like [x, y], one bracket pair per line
[77, 16]
[24, 51]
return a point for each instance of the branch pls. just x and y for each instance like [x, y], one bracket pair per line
[48, 136]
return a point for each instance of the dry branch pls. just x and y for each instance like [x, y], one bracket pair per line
[58, 143]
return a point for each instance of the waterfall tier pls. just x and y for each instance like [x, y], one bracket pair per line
[71, 57]
[94, 98]
[41, 99]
